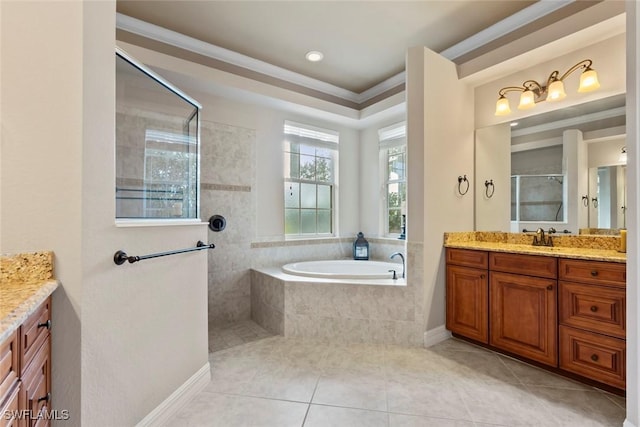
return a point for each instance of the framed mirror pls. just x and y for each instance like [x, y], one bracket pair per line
[554, 160]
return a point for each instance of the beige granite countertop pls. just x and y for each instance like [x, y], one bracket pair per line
[26, 280]
[594, 248]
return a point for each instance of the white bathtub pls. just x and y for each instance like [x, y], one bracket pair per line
[344, 269]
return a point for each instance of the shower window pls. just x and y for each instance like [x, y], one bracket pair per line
[393, 159]
[157, 145]
[311, 156]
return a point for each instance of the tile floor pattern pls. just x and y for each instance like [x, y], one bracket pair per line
[227, 336]
[280, 382]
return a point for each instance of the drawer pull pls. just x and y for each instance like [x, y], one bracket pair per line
[550, 287]
[482, 276]
[594, 357]
[594, 308]
[594, 273]
[46, 324]
[45, 398]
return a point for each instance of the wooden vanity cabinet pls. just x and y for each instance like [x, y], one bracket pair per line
[25, 371]
[468, 294]
[592, 311]
[523, 316]
[567, 314]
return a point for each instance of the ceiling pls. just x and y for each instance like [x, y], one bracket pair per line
[364, 42]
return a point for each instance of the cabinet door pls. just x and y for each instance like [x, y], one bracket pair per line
[36, 383]
[467, 302]
[523, 316]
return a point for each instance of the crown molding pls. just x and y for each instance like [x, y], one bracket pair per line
[506, 26]
[154, 32]
[173, 38]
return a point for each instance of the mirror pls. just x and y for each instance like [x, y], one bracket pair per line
[557, 158]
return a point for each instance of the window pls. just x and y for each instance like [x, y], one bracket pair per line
[157, 142]
[393, 159]
[311, 156]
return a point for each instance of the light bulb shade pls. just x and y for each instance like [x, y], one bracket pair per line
[502, 107]
[589, 81]
[556, 91]
[527, 100]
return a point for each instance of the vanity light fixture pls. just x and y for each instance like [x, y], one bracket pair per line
[623, 155]
[533, 92]
[314, 56]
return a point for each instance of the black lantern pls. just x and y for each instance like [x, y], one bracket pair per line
[361, 247]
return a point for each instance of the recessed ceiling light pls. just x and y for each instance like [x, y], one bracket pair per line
[314, 56]
[514, 124]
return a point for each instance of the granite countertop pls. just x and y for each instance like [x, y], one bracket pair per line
[26, 281]
[594, 248]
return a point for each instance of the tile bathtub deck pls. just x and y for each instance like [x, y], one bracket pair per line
[279, 382]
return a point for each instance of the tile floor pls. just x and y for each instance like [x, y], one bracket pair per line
[280, 382]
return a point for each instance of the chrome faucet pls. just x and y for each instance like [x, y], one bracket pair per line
[540, 240]
[393, 255]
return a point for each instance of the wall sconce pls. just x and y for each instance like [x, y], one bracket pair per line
[533, 92]
[623, 155]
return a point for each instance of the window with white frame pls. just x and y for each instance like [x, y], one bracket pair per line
[310, 159]
[393, 162]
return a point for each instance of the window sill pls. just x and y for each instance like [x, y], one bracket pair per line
[158, 222]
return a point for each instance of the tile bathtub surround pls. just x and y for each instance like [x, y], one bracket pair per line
[345, 313]
[282, 381]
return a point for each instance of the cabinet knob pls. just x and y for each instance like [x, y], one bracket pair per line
[594, 308]
[46, 324]
[594, 273]
[550, 287]
[482, 276]
[45, 398]
[594, 357]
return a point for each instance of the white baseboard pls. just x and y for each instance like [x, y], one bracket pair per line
[628, 423]
[178, 399]
[436, 335]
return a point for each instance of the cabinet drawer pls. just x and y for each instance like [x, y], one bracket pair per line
[596, 308]
[10, 406]
[9, 352]
[596, 272]
[592, 355]
[467, 258]
[36, 384]
[35, 331]
[530, 265]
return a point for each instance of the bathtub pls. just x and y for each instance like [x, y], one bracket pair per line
[344, 269]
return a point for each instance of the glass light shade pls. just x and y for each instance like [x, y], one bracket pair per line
[588, 81]
[502, 107]
[556, 91]
[527, 100]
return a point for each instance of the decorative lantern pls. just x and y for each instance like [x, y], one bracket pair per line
[361, 247]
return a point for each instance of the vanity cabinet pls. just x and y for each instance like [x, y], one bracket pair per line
[468, 294]
[25, 370]
[592, 303]
[523, 316]
[566, 314]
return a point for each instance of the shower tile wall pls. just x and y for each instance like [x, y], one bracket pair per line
[227, 174]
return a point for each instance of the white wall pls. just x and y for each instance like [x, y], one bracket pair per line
[633, 218]
[493, 162]
[124, 338]
[606, 153]
[440, 148]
